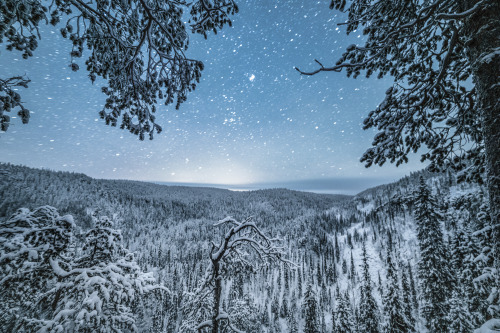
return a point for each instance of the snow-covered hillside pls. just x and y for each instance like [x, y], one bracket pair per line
[326, 280]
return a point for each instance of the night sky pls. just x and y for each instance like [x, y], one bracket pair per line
[253, 119]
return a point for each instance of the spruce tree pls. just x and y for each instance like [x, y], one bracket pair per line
[413, 288]
[323, 323]
[471, 271]
[406, 299]
[344, 267]
[433, 270]
[284, 308]
[318, 272]
[293, 326]
[337, 249]
[310, 311]
[459, 318]
[29, 242]
[353, 270]
[334, 326]
[299, 282]
[368, 307]
[393, 307]
[343, 321]
[380, 286]
[465, 270]
[286, 280]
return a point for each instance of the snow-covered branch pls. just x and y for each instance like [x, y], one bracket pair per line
[243, 245]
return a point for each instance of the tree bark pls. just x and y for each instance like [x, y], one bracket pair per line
[217, 294]
[483, 50]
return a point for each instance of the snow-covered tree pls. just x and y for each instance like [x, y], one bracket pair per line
[29, 242]
[61, 290]
[459, 317]
[434, 50]
[413, 289]
[433, 272]
[100, 289]
[243, 246]
[293, 326]
[406, 299]
[343, 316]
[488, 281]
[310, 308]
[244, 314]
[396, 321]
[137, 46]
[368, 306]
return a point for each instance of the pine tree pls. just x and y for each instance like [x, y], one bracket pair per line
[459, 318]
[393, 307]
[368, 307]
[122, 59]
[413, 288]
[406, 299]
[344, 266]
[318, 272]
[292, 323]
[299, 281]
[433, 271]
[353, 270]
[337, 249]
[310, 311]
[343, 321]
[29, 242]
[445, 93]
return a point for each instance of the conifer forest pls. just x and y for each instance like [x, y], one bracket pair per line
[411, 256]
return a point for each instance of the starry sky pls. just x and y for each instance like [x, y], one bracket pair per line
[252, 122]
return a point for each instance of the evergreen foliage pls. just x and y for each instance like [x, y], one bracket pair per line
[170, 231]
[343, 316]
[433, 272]
[311, 311]
[459, 318]
[29, 241]
[138, 47]
[406, 300]
[394, 308]
[368, 309]
[92, 292]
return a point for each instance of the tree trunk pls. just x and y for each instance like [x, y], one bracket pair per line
[483, 49]
[217, 294]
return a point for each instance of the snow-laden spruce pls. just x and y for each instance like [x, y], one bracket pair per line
[47, 284]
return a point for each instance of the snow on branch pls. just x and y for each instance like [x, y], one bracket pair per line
[464, 14]
[242, 247]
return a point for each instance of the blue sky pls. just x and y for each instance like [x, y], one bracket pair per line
[252, 118]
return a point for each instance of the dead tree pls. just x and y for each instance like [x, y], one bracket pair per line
[243, 247]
